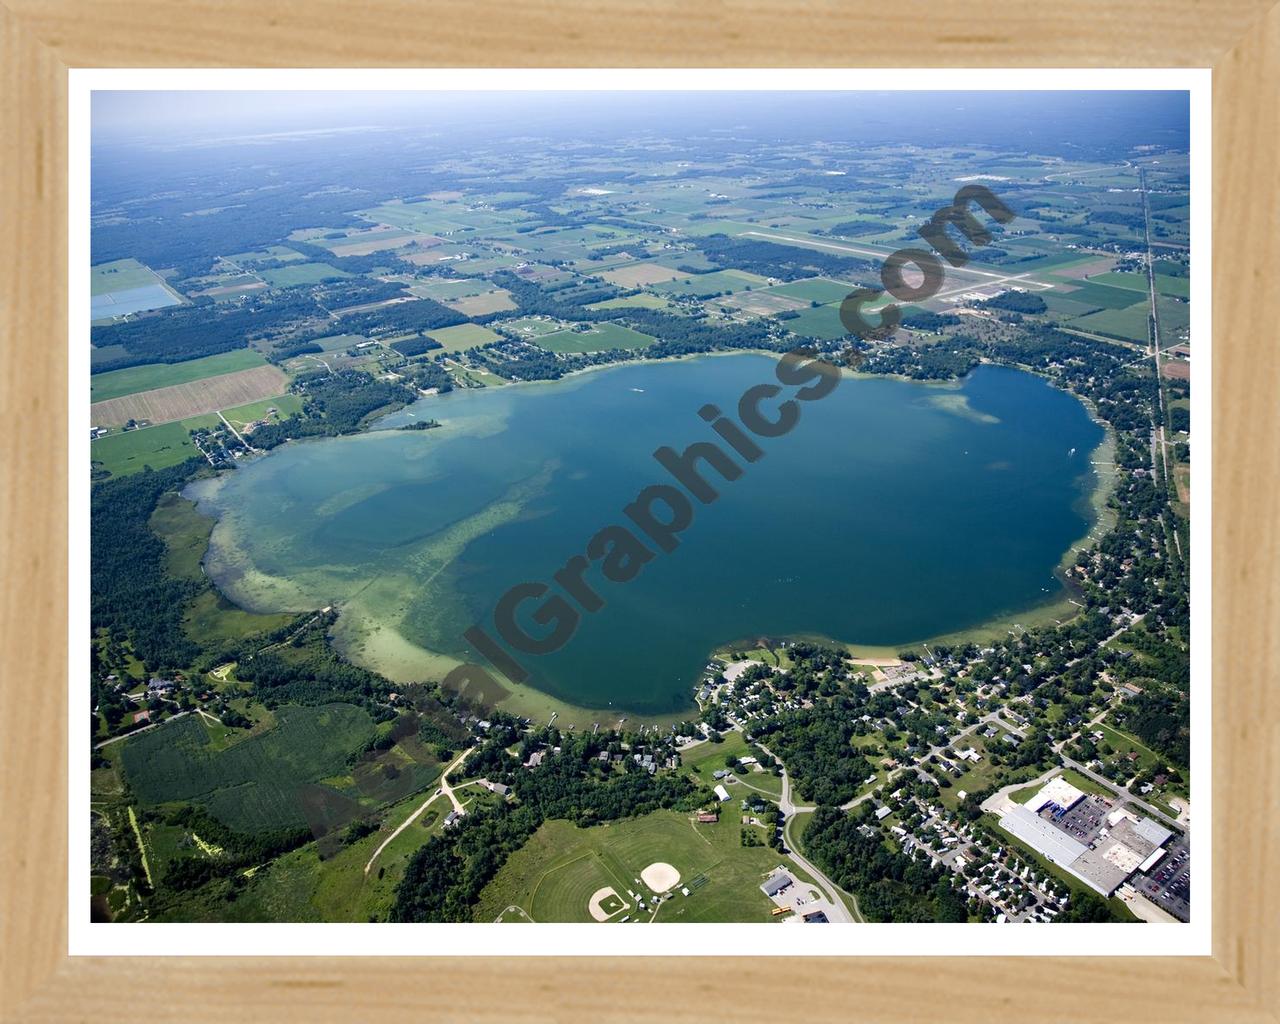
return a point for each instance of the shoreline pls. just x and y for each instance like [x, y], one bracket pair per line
[353, 637]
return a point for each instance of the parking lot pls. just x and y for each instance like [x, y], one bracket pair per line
[1168, 884]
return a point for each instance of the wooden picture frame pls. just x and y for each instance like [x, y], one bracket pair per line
[42, 39]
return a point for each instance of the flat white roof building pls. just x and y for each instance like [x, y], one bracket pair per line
[1057, 790]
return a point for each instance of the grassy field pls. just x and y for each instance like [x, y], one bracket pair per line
[266, 781]
[554, 875]
[1103, 295]
[718, 282]
[599, 338]
[462, 336]
[129, 381]
[1129, 323]
[301, 273]
[119, 276]
[821, 322]
[241, 416]
[815, 289]
[157, 447]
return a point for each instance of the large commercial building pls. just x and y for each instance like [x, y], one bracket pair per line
[1101, 849]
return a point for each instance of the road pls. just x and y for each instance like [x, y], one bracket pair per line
[1122, 794]
[841, 914]
[444, 790]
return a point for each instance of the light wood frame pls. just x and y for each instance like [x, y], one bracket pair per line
[41, 39]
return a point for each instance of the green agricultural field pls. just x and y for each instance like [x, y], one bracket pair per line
[815, 289]
[462, 337]
[131, 451]
[301, 273]
[719, 282]
[1102, 295]
[444, 290]
[132, 379]
[822, 322]
[119, 276]
[554, 875]
[1130, 323]
[271, 252]
[599, 338]
[264, 782]
[1176, 286]
[284, 405]
[1066, 307]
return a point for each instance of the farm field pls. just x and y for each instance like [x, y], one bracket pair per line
[301, 273]
[118, 383]
[126, 286]
[718, 282]
[181, 401]
[462, 336]
[1130, 323]
[638, 274]
[265, 781]
[599, 338]
[241, 416]
[554, 876]
[157, 447]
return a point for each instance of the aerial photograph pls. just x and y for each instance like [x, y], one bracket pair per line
[629, 507]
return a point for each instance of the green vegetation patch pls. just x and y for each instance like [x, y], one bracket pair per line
[817, 289]
[719, 282]
[301, 273]
[1130, 324]
[259, 784]
[599, 338]
[158, 447]
[1102, 295]
[462, 336]
[120, 276]
[133, 379]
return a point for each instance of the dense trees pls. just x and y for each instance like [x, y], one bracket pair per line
[890, 886]
[335, 404]
[131, 591]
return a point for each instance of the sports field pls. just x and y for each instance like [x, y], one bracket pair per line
[599, 338]
[556, 874]
[133, 379]
[181, 401]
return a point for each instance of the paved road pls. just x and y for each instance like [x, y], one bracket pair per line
[840, 912]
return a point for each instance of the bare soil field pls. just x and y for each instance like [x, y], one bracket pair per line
[640, 273]
[1176, 369]
[178, 401]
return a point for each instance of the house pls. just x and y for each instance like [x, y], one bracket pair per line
[722, 793]
[882, 813]
[535, 759]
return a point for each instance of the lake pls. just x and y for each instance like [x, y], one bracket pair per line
[893, 512]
